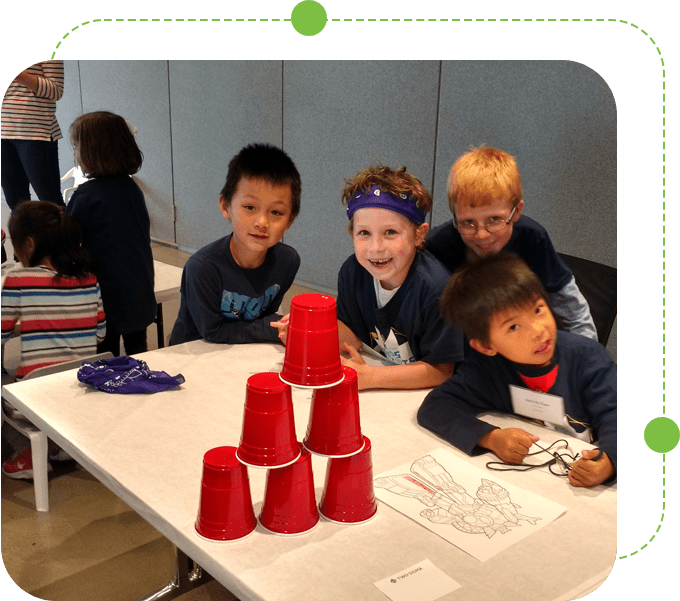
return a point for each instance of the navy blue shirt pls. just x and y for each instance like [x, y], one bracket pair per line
[409, 328]
[586, 380]
[116, 229]
[223, 302]
[529, 240]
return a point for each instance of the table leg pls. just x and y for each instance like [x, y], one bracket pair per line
[183, 582]
[159, 326]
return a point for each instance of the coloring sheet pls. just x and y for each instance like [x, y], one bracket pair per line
[480, 514]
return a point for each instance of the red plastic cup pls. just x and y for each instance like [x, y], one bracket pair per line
[312, 358]
[289, 505]
[334, 427]
[268, 432]
[225, 510]
[348, 496]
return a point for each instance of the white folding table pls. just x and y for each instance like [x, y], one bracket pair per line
[173, 429]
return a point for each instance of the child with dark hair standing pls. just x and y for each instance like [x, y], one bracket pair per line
[53, 296]
[500, 304]
[388, 291]
[114, 220]
[232, 287]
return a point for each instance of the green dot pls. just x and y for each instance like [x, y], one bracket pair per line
[309, 17]
[662, 435]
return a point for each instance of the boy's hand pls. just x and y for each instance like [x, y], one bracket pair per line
[356, 362]
[282, 325]
[511, 445]
[588, 472]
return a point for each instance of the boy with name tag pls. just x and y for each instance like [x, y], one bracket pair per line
[521, 364]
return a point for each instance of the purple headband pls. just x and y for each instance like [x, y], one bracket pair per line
[376, 198]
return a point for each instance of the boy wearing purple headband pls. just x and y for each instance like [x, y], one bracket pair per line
[388, 291]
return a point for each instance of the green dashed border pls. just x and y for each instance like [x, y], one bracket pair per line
[426, 20]
[663, 513]
[260, 20]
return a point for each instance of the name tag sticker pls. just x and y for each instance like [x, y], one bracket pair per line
[422, 582]
[537, 405]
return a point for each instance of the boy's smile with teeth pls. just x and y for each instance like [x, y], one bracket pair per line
[381, 262]
[385, 244]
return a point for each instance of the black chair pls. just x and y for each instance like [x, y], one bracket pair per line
[597, 283]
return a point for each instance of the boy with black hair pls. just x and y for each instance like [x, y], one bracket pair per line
[501, 306]
[231, 288]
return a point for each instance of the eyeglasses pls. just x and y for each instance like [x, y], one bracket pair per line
[491, 225]
[560, 465]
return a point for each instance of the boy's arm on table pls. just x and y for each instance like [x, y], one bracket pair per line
[410, 376]
[347, 336]
[450, 411]
[600, 400]
[217, 328]
[203, 293]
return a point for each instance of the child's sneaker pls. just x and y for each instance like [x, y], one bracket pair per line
[60, 455]
[20, 467]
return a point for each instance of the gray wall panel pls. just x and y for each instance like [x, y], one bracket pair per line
[217, 108]
[343, 116]
[558, 118]
[138, 91]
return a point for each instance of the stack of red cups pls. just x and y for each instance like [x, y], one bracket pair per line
[268, 439]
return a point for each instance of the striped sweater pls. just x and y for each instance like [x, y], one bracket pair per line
[31, 116]
[59, 319]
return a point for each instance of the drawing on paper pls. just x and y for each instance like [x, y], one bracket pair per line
[449, 503]
[448, 495]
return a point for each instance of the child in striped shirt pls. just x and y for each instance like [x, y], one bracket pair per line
[53, 296]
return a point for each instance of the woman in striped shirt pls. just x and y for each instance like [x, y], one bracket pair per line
[30, 132]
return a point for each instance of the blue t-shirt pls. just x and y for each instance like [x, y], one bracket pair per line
[223, 302]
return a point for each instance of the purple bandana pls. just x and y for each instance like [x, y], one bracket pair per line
[125, 375]
[379, 199]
